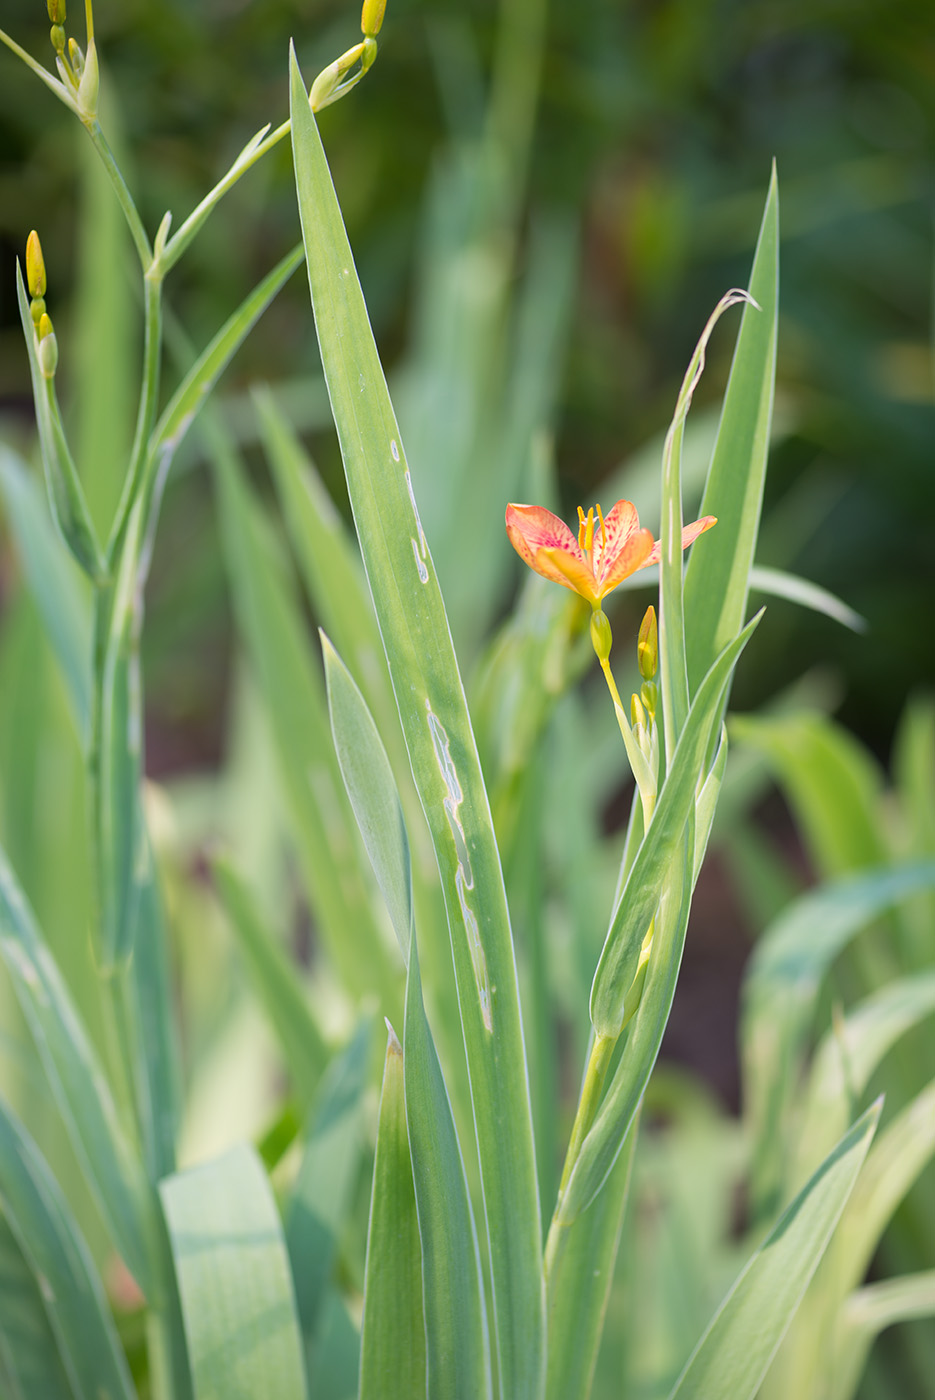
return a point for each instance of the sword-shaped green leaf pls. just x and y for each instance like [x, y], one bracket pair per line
[732, 1357]
[443, 755]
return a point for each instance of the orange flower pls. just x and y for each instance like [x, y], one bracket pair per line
[607, 550]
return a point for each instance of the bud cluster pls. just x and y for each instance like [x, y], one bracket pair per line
[77, 69]
[345, 72]
[47, 349]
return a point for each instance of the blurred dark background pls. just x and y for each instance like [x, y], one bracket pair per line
[657, 124]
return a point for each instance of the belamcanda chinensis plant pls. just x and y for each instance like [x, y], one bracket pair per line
[242, 1271]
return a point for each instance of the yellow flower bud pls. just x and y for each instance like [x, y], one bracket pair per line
[35, 266]
[637, 713]
[56, 10]
[601, 635]
[45, 326]
[371, 17]
[647, 647]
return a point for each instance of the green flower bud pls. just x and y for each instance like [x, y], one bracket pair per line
[647, 647]
[56, 10]
[649, 694]
[76, 58]
[57, 35]
[35, 266]
[323, 87]
[601, 636]
[371, 17]
[48, 348]
[37, 311]
[89, 86]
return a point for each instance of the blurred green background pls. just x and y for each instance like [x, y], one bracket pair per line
[656, 126]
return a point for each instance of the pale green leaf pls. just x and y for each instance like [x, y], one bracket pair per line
[785, 975]
[372, 791]
[275, 981]
[733, 1355]
[235, 1286]
[61, 1265]
[456, 1340]
[323, 1190]
[392, 1358]
[779, 584]
[867, 1313]
[30, 1364]
[280, 650]
[850, 1053]
[114, 1172]
[55, 582]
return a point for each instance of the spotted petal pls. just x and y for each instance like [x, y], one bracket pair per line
[547, 545]
[633, 554]
[689, 534]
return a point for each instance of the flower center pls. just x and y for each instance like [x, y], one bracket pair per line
[586, 532]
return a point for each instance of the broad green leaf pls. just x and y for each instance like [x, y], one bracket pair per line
[54, 581]
[72, 1293]
[392, 1357]
[372, 791]
[732, 1357]
[867, 1313]
[334, 1371]
[444, 759]
[66, 495]
[717, 579]
[780, 996]
[30, 1364]
[779, 584]
[329, 562]
[279, 648]
[661, 845]
[673, 666]
[456, 1340]
[81, 1092]
[579, 1279]
[276, 983]
[323, 1190]
[234, 1282]
[103, 369]
[850, 1053]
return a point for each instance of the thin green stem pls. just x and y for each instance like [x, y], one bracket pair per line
[602, 1048]
[176, 245]
[122, 191]
[146, 414]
